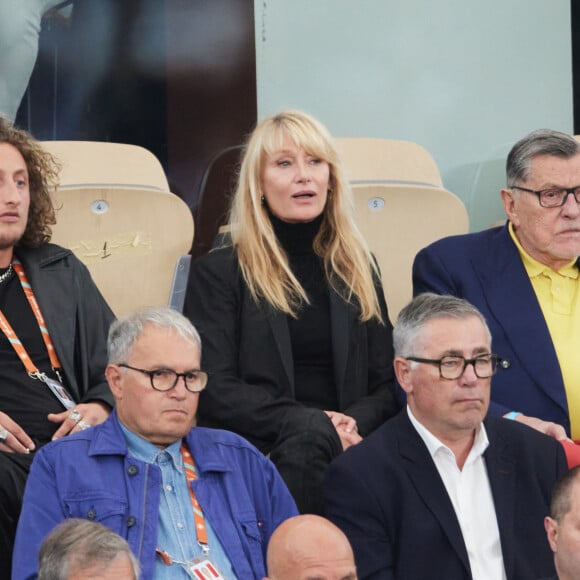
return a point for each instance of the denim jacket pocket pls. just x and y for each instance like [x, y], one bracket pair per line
[106, 509]
[255, 544]
[252, 529]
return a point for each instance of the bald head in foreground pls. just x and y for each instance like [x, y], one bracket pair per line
[309, 547]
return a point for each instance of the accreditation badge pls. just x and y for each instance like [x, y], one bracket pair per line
[59, 391]
[204, 570]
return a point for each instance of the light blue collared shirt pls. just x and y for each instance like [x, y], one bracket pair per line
[176, 528]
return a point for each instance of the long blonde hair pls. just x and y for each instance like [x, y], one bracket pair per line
[348, 264]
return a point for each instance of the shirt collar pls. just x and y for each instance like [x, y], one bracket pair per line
[145, 451]
[535, 268]
[434, 445]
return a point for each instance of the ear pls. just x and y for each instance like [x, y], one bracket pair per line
[509, 204]
[403, 372]
[113, 374]
[551, 526]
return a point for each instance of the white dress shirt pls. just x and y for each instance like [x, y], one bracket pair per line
[470, 494]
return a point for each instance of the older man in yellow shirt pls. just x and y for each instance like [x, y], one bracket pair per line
[524, 278]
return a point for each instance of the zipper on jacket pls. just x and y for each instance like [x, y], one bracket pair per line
[142, 539]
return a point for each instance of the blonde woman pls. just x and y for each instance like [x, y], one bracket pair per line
[296, 335]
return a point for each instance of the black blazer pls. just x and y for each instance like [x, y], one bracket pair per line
[387, 496]
[76, 315]
[247, 351]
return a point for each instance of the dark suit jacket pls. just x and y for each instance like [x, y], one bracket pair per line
[486, 269]
[387, 496]
[247, 351]
[76, 315]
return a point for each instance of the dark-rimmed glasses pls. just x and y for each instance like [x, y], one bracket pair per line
[554, 196]
[165, 379]
[452, 367]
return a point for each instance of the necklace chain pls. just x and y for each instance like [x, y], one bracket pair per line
[6, 274]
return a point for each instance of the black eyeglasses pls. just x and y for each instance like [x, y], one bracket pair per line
[166, 379]
[453, 367]
[553, 197]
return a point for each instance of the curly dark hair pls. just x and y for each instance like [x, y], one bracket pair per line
[43, 178]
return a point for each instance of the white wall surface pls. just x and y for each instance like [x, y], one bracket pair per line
[465, 79]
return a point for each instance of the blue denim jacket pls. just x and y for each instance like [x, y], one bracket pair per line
[90, 475]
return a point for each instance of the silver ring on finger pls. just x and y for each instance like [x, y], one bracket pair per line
[83, 425]
[3, 435]
[75, 416]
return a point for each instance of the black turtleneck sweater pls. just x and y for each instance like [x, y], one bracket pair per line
[310, 333]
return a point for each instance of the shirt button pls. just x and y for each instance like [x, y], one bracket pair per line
[180, 525]
[91, 514]
[131, 521]
[132, 470]
[168, 488]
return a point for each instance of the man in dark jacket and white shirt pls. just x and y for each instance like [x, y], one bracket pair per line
[441, 491]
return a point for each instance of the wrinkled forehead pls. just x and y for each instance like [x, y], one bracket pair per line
[155, 337]
[449, 332]
[545, 167]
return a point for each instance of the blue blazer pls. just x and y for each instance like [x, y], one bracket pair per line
[486, 269]
[387, 496]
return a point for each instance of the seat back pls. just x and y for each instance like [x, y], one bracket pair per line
[398, 221]
[387, 161]
[130, 240]
[215, 192]
[103, 164]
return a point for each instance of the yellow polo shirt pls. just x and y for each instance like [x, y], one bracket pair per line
[558, 293]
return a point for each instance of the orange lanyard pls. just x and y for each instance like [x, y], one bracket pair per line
[31, 368]
[199, 520]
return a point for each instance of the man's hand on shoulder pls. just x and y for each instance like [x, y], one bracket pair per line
[547, 427]
[83, 416]
[13, 438]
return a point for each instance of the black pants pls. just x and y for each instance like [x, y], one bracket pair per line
[306, 444]
[14, 468]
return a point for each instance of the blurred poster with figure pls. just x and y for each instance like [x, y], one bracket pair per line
[177, 77]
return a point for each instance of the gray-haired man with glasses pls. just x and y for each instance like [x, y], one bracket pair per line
[524, 278]
[441, 491]
[191, 502]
